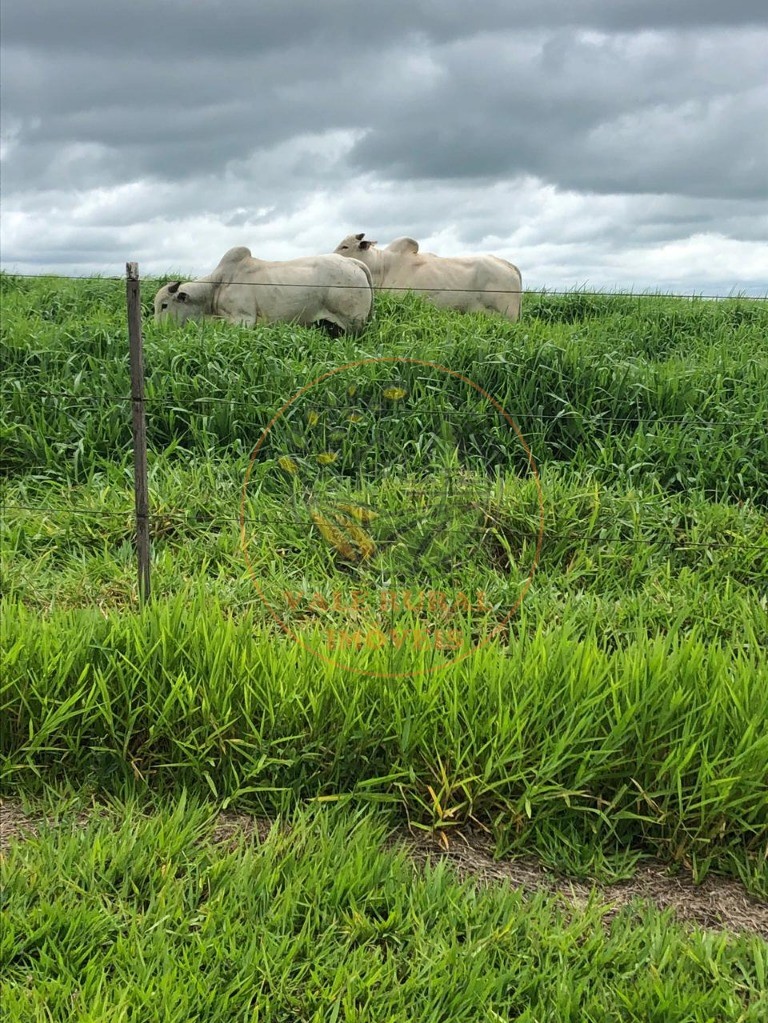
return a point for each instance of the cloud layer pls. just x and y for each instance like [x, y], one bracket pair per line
[611, 144]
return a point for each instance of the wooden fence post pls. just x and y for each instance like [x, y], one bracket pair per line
[140, 483]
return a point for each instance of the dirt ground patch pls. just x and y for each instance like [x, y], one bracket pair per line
[15, 824]
[716, 904]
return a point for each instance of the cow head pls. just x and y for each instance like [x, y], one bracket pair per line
[181, 302]
[353, 245]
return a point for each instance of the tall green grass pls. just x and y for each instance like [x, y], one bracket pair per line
[659, 745]
[141, 917]
[624, 711]
[590, 382]
[624, 562]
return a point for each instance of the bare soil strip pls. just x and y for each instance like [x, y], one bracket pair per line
[716, 904]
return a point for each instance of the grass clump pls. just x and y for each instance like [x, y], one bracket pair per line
[140, 915]
[658, 746]
[619, 713]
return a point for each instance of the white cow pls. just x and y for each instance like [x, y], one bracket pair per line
[328, 290]
[469, 283]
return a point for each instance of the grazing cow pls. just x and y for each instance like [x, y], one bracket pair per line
[326, 290]
[468, 283]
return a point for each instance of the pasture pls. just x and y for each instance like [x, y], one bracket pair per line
[620, 714]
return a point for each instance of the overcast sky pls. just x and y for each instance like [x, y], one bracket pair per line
[599, 143]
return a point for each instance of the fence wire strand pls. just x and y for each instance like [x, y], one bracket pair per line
[585, 416]
[162, 279]
[188, 520]
[205, 525]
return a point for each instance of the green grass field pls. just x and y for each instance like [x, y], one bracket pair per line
[322, 628]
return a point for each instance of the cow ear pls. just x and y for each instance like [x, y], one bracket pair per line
[360, 236]
[366, 244]
[182, 296]
[173, 287]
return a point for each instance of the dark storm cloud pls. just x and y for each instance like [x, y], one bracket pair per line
[242, 27]
[401, 116]
[178, 90]
[610, 115]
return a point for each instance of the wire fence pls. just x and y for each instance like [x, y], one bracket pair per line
[574, 292]
[584, 415]
[202, 525]
[214, 521]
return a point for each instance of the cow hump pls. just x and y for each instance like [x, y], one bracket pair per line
[404, 245]
[235, 255]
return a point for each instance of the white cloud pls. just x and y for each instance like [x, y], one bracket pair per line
[559, 239]
[615, 144]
